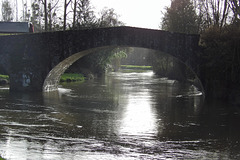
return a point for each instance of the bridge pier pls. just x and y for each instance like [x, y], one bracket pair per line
[25, 81]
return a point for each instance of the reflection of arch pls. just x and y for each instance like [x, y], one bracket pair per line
[189, 74]
[53, 77]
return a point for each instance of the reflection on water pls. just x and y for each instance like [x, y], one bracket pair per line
[121, 116]
[138, 117]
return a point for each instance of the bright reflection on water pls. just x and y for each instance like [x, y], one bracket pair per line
[139, 117]
[121, 116]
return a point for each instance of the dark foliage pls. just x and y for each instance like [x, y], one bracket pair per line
[221, 58]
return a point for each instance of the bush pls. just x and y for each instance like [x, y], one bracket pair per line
[220, 65]
[222, 52]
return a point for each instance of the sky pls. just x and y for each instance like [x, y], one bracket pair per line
[136, 13]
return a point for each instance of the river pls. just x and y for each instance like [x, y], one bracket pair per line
[119, 116]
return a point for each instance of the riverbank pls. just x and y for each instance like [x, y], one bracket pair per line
[136, 67]
[72, 77]
[66, 77]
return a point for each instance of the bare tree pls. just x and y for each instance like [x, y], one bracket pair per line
[235, 7]
[212, 13]
[85, 16]
[36, 16]
[25, 11]
[44, 2]
[49, 12]
[109, 18]
[74, 13]
[7, 13]
[66, 3]
[16, 10]
[220, 12]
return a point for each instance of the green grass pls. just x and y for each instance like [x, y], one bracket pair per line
[4, 77]
[2, 158]
[3, 34]
[66, 77]
[133, 70]
[71, 77]
[6, 34]
[136, 67]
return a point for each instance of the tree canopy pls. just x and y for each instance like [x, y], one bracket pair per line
[180, 17]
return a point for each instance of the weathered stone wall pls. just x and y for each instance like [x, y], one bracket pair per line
[29, 58]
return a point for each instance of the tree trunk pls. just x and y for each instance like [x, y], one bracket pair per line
[45, 15]
[74, 13]
[50, 17]
[224, 14]
[65, 13]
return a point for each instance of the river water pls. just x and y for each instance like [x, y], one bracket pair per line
[119, 116]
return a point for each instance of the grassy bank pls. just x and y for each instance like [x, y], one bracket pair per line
[71, 77]
[4, 77]
[7, 34]
[66, 77]
[136, 67]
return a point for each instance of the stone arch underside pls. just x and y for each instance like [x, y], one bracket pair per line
[53, 78]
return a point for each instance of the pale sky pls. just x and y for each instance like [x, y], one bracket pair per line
[136, 13]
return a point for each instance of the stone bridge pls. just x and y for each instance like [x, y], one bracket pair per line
[35, 62]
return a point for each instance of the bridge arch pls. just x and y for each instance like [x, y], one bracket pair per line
[31, 58]
[53, 78]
